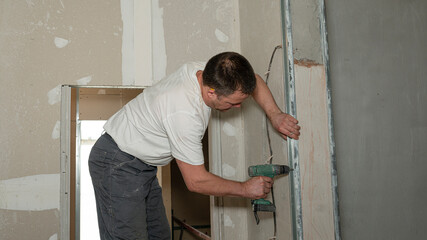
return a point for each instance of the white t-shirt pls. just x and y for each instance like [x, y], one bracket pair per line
[167, 120]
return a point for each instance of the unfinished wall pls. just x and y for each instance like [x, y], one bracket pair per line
[307, 69]
[261, 32]
[44, 44]
[378, 76]
[196, 32]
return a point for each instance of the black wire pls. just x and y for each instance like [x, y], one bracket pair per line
[266, 122]
[269, 139]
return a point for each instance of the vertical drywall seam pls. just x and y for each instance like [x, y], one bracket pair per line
[159, 57]
[128, 54]
[65, 162]
[293, 157]
[143, 43]
[236, 41]
[215, 150]
[334, 175]
[215, 166]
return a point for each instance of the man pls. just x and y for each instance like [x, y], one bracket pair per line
[165, 122]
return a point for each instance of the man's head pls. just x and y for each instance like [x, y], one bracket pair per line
[228, 72]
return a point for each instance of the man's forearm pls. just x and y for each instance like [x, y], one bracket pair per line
[264, 98]
[197, 179]
[284, 123]
[216, 186]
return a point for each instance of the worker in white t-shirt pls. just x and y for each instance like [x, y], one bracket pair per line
[168, 121]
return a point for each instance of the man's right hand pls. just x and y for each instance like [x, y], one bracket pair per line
[257, 187]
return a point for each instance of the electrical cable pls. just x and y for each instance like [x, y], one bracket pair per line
[267, 74]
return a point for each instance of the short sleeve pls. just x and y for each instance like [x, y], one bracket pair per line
[185, 132]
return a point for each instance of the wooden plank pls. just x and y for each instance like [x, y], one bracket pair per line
[315, 162]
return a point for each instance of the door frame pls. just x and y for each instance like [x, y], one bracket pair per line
[69, 170]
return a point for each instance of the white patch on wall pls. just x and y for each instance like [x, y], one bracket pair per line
[84, 80]
[54, 237]
[56, 130]
[229, 129]
[30, 3]
[30, 193]
[222, 37]
[62, 4]
[128, 56]
[61, 42]
[159, 46]
[54, 95]
[228, 222]
[228, 170]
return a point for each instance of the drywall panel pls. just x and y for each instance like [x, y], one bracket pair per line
[185, 31]
[43, 45]
[259, 37]
[233, 166]
[378, 53]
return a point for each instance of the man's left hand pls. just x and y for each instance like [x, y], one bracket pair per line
[286, 125]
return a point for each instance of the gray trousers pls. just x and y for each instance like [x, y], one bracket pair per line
[128, 196]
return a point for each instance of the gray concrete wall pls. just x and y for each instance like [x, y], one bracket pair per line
[378, 55]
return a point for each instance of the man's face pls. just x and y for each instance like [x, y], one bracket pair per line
[224, 103]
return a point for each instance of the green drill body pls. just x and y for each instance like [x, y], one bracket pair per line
[267, 170]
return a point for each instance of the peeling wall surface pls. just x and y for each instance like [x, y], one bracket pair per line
[45, 44]
[379, 92]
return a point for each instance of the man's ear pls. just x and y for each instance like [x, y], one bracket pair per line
[211, 92]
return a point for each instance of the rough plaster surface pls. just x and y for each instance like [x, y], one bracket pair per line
[306, 28]
[379, 97]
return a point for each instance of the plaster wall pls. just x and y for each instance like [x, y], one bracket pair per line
[379, 92]
[45, 44]
[261, 32]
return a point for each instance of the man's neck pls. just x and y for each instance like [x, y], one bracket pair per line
[203, 88]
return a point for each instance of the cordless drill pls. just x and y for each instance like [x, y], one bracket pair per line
[267, 170]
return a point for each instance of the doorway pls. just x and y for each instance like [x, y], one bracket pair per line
[84, 112]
